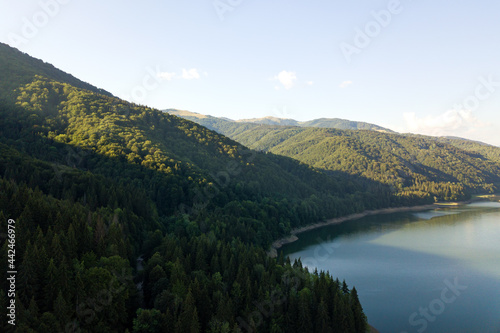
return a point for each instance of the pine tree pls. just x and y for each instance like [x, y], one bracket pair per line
[337, 311]
[64, 281]
[29, 282]
[322, 322]
[360, 320]
[188, 319]
[345, 288]
[61, 309]
[305, 317]
[195, 323]
[32, 314]
[56, 250]
[49, 323]
[51, 287]
[71, 244]
[347, 317]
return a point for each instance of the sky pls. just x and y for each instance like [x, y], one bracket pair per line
[420, 66]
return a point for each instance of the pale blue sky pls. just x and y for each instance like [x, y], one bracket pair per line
[425, 66]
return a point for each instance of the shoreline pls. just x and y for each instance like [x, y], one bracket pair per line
[277, 244]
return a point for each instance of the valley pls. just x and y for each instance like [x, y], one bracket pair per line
[96, 183]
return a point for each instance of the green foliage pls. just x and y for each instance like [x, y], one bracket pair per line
[176, 166]
[256, 292]
[229, 127]
[147, 321]
[417, 168]
[17, 69]
[94, 182]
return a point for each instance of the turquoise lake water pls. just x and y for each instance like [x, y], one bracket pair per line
[430, 271]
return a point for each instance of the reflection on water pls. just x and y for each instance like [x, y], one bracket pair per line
[400, 263]
[434, 213]
[473, 236]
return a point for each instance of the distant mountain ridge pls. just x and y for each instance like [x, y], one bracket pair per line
[275, 121]
[414, 165]
[320, 122]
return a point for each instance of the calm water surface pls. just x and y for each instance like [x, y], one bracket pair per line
[432, 271]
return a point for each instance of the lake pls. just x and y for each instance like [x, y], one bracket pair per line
[428, 271]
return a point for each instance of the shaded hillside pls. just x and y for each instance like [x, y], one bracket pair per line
[93, 182]
[181, 157]
[446, 169]
[405, 162]
[482, 150]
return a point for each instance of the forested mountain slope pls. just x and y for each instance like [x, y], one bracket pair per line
[17, 68]
[321, 122]
[93, 182]
[445, 169]
[479, 148]
[228, 127]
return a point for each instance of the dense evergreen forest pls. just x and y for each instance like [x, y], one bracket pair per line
[440, 169]
[130, 219]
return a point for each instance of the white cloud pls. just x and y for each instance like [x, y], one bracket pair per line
[309, 83]
[450, 123]
[345, 84]
[167, 76]
[190, 74]
[287, 79]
